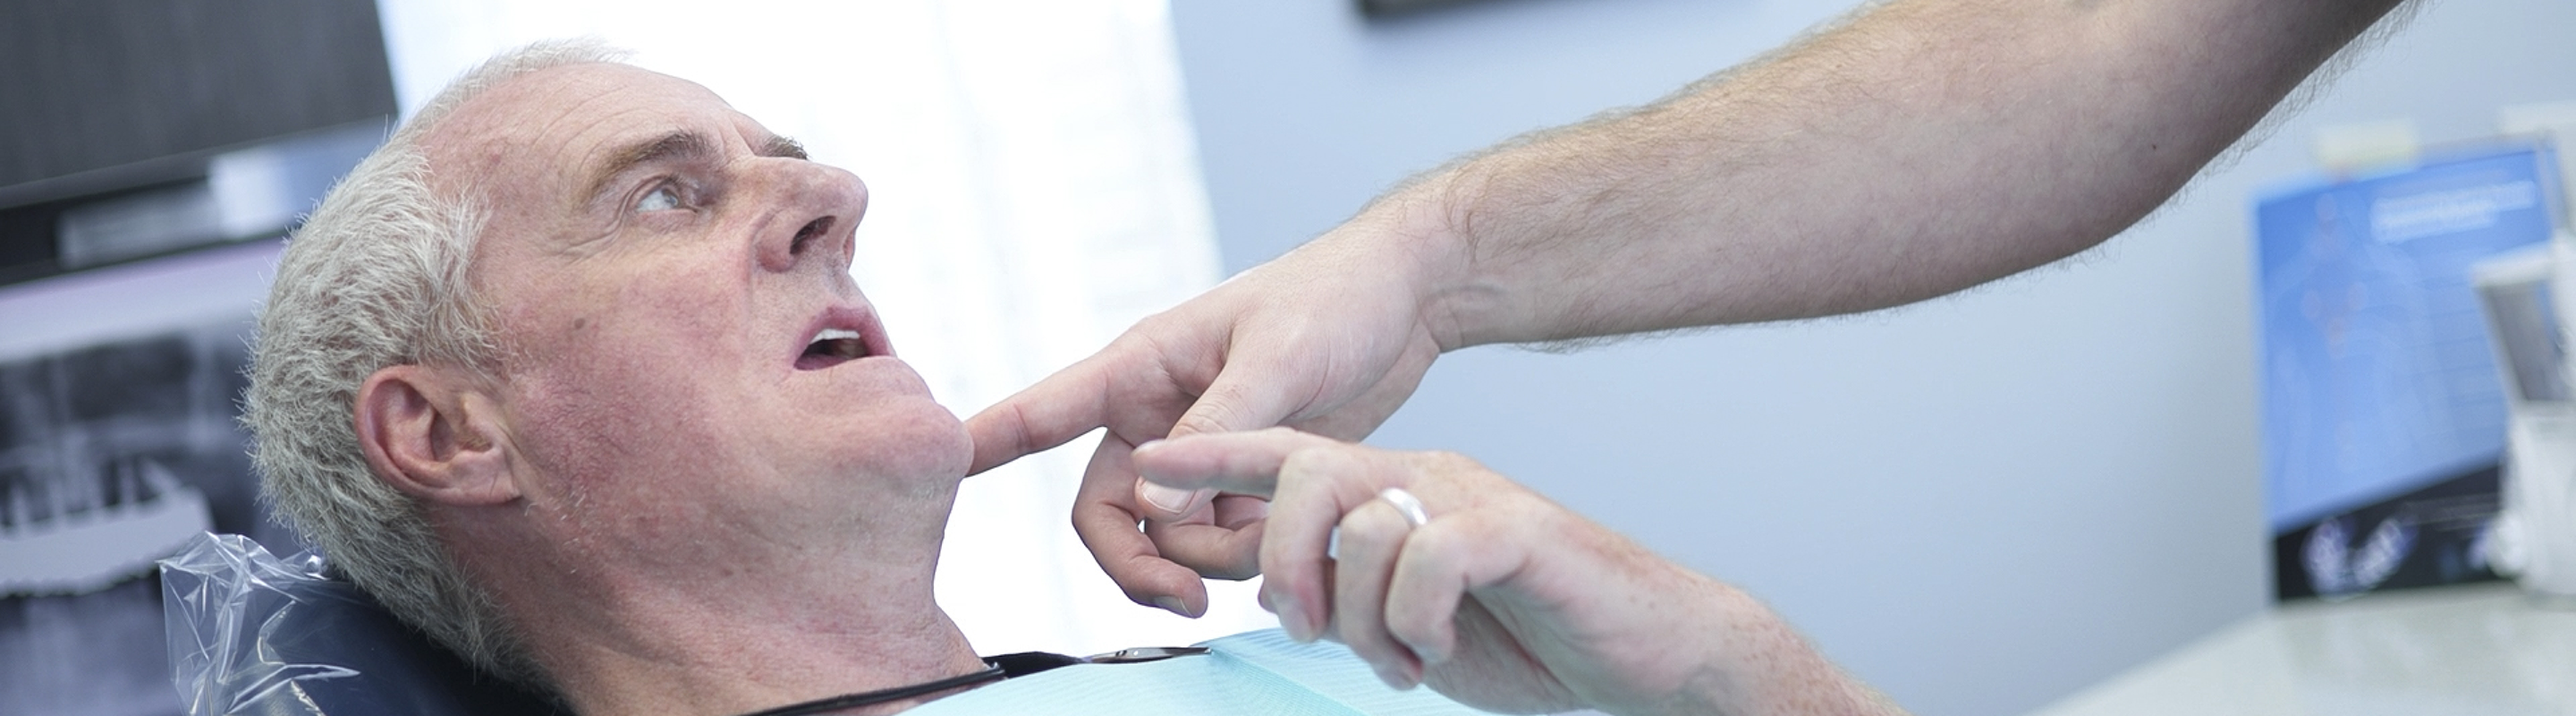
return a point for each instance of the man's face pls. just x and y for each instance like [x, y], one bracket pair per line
[687, 361]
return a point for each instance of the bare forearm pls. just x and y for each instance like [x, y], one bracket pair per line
[1916, 149]
[1763, 667]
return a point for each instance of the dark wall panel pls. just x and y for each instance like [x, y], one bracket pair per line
[86, 84]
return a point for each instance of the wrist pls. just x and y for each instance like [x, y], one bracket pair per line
[1421, 231]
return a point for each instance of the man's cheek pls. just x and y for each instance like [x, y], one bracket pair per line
[601, 416]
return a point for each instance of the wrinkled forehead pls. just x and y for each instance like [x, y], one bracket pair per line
[527, 141]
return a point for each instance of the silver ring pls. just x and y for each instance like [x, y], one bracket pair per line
[1406, 504]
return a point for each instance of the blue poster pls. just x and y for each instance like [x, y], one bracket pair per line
[2383, 413]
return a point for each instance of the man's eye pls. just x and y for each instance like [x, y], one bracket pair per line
[661, 197]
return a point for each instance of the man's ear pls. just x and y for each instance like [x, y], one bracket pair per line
[433, 435]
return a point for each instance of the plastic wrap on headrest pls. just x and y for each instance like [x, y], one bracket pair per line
[254, 634]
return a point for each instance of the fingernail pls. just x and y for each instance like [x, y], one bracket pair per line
[1174, 605]
[1167, 499]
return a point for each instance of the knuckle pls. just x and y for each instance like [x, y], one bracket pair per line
[1092, 522]
[1283, 572]
[1303, 463]
[1218, 564]
[1202, 418]
[1373, 522]
[1008, 429]
[1409, 628]
[1232, 571]
[1245, 564]
[1437, 539]
[1363, 636]
[1450, 461]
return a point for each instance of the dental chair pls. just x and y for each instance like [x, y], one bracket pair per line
[256, 635]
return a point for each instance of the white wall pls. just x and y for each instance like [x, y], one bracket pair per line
[1980, 504]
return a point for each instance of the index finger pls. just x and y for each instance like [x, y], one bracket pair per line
[1241, 463]
[1060, 408]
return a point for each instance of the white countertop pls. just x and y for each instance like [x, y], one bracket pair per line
[2472, 650]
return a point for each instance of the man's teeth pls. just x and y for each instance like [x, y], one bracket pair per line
[838, 343]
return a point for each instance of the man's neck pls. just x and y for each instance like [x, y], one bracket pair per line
[671, 649]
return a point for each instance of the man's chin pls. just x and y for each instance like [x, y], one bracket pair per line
[923, 446]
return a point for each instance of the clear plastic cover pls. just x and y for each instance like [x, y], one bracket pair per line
[251, 633]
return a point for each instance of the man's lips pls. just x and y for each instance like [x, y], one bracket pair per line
[831, 347]
[840, 335]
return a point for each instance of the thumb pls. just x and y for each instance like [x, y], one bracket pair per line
[1164, 504]
[1242, 463]
[1232, 403]
[1245, 395]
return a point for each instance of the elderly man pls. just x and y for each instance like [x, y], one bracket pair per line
[572, 375]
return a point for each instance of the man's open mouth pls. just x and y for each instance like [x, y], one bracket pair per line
[831, 347]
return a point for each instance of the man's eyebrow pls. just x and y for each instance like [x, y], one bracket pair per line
[783, 147]
[680, 145]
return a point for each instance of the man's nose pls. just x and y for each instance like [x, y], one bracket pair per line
[818, 209]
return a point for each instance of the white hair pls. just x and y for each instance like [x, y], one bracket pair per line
[376, 277]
